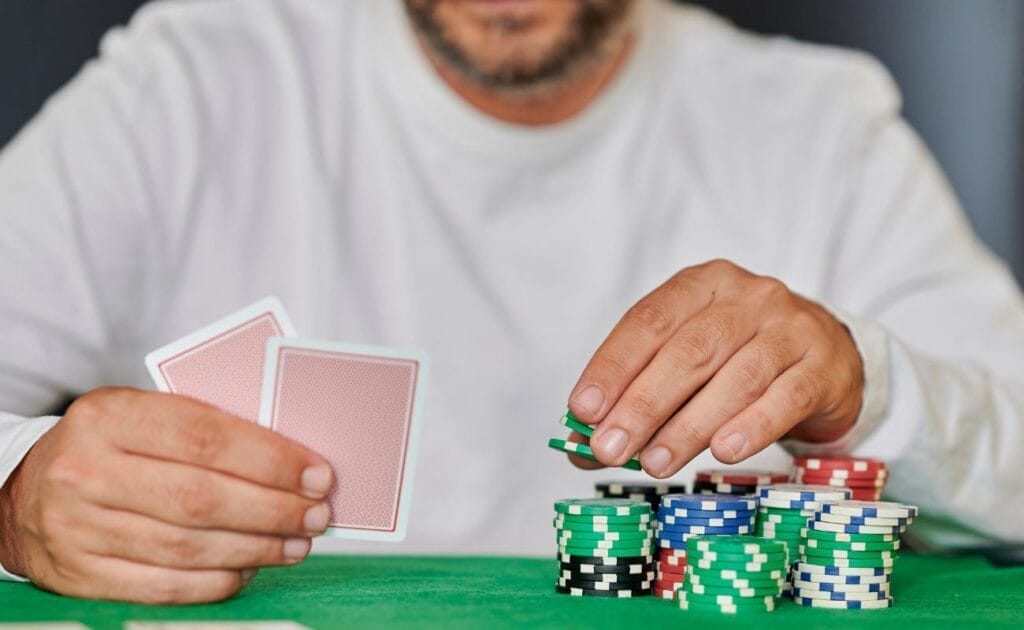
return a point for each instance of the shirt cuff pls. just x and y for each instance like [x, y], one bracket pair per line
[17, 436]
[872, 343]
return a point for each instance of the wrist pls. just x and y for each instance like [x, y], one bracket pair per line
[10, 556]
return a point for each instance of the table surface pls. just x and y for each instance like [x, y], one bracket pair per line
[395, 591]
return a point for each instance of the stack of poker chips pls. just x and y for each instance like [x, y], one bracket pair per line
[784, 511]
[685, 516]
[733, 574]
[604, 547]
[848, 554]
[650, 492]
[583, 450]
[736, 481]
[864, 477]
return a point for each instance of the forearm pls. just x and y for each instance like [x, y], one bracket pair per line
[18, 435]
[952, 433]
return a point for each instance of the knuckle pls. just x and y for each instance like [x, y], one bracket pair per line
[201, 442]
[652, 317]
[193, 501]
[165, 593]
[696, 350]
[802, 395]
[691, 433]
[66, 471]
[749, 377]
[644, 403]
[181, 548]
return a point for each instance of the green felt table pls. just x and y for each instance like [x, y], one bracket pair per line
[363, 591]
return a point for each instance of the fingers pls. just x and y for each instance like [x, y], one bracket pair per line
[582, 462]
[195, 497]
[145, 540]
[633, 343]
[684, 364]
[791, 398]
[101, 577]
[740, 382]
[183, 430]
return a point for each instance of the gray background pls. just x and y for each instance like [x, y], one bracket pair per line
[960, 64]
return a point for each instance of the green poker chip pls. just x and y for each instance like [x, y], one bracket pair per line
[745, 591]
[584, 451]
[574, 424]
[844, 553]
[738, 574]
[715, 556]
[853, 563]
[735, 583]
[738, 544]
[842, 537]
[814, 543]
[612, 528]
[603, 507]
[590, 535]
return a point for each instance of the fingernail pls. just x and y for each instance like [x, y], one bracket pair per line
[590, 399]
[248, 574]
[296, 548]
[316, 481]
[613, 442]
[656, 460]
[735, 443]
[315, 520]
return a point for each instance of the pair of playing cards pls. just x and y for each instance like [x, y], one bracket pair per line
[359, 407]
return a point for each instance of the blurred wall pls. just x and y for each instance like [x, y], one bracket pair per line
[960, 64]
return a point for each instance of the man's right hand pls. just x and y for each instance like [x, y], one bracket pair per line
[156, 498]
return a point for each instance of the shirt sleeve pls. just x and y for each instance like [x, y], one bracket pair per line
[939, 322]
[76, 203]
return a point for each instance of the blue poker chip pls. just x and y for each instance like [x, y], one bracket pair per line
[708, 502]
[841, 528]
[825, 515]
[836, 596]
[685, 513]
[875, 509]
[876, 587]
[669, 520]
[849, 605]
[820, 578]
[703, 529]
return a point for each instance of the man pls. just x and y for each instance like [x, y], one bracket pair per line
[495, 182]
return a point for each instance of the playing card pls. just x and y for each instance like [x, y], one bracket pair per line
[222, 364]
[360, 408]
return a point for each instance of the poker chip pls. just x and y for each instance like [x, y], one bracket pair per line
[844, 553]
[721, 556]
[701, 487]
[814, 543]
[839, 596]
[729, 573]
[683, 513]
[740, 591]
[599, 552]
[670, 520]
[707, 502]
[801, 492]
[584, 450]
[605, 586]
[843, 483]
[708, 580]
[861, 520]
[587, 592]
[701, 529]
[604, 519]
[855, 563]
[606, 507]
[819, 569]
[840, 463]
[574, 424]
[847, 537]
[843, 528]
[570, 534]
[742, 477]
[877, 587]
[825, 578]
[725, 602]
[663, 593]
[848, 605]
[879, 509]
[605, 561]
[668, 585]
[580, 568]
[602, 528]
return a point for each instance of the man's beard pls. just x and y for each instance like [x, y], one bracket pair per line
[596, 29]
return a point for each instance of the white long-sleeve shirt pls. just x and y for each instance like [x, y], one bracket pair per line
[221, 151]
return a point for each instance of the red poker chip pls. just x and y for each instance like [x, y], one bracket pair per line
[667, 586]
[851, 464]
[840, 473]
[742, 477]
[671, 578]
[673, 560]
[665, 553]
[671, 568]
[842, 483]
[860, 494]
[664, 593]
